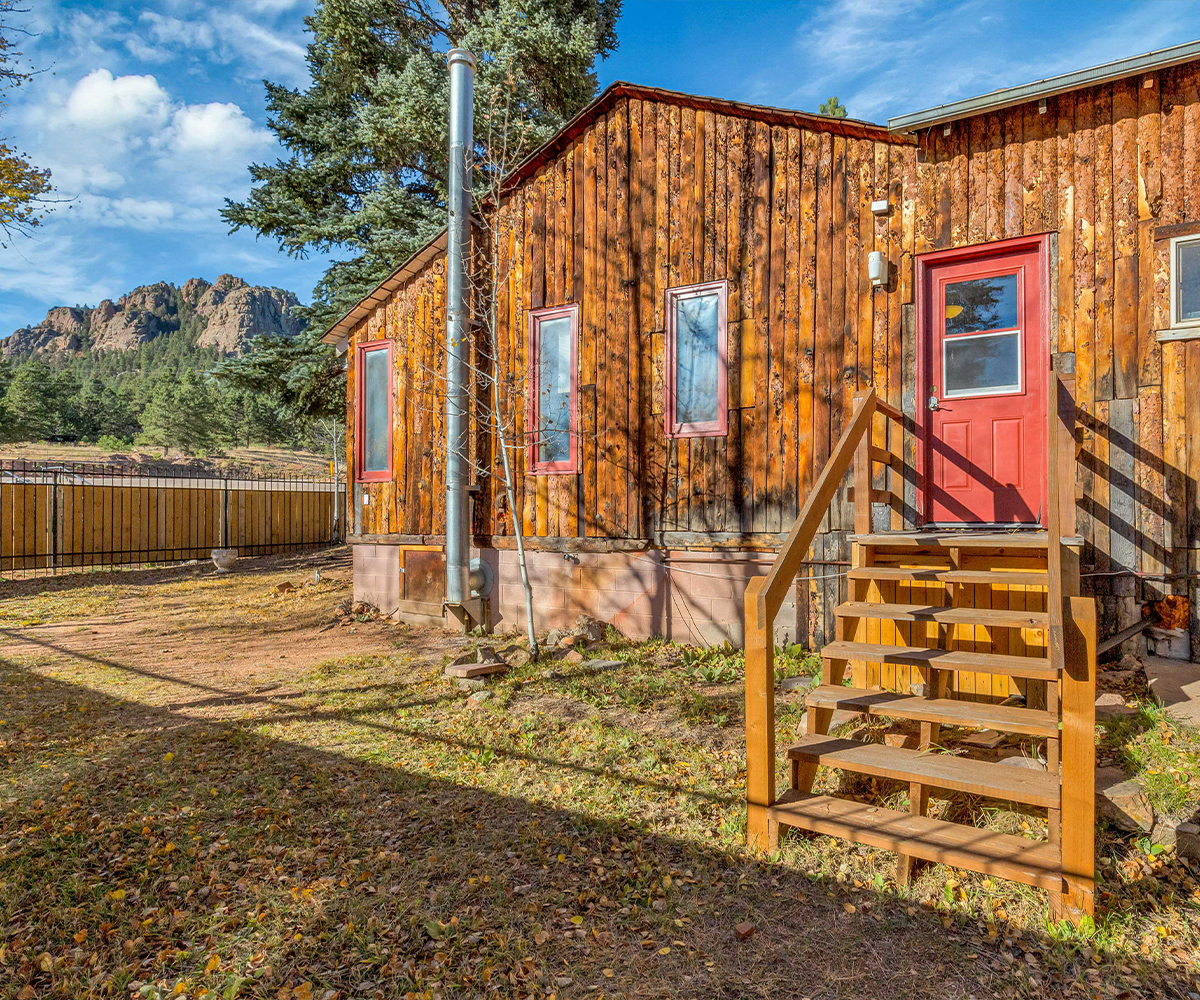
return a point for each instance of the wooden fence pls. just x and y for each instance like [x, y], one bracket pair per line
[63, 516]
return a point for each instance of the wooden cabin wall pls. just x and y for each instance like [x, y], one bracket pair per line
[414, 502]
[653, 196]
[1106, 169]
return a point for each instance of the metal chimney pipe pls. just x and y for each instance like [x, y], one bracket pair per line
[458, 249]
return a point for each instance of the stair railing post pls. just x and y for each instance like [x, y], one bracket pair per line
[761, 831]
[862, 475]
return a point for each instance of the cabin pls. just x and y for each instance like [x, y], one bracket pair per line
[920, 397]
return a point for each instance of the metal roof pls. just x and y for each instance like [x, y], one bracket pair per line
[1007, 97]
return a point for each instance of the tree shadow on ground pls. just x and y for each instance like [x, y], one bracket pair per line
[141, 845]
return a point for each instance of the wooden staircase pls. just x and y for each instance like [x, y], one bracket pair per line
[940, 627]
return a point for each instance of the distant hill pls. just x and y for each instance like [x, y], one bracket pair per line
[218, 318]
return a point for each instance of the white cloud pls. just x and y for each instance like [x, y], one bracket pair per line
[128, 213]
[264, 53]
[102, 101]
[86, 176]
[222, 130]
[192, 34]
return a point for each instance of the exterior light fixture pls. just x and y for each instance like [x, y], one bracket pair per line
[876, 268]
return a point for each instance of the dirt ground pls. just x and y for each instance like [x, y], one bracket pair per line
[222, 786]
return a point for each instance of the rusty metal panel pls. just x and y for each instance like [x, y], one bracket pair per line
[424, 575]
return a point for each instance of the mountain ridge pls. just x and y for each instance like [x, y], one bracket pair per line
[221, 315]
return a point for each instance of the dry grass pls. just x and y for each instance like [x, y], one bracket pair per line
[207, 791]
[261, 460]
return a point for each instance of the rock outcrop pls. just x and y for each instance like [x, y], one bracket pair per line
[223, 315]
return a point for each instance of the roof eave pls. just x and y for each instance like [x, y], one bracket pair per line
[1049, 87]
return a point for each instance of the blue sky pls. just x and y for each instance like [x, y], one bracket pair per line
[148, 113]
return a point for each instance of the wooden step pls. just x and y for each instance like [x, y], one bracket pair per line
[1024, 538]
[938, 770]
[993, 617]
[1033, 862]
[1032, 667]
[945, 711]
[920, 574]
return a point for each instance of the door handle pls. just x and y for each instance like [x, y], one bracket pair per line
[934, 403]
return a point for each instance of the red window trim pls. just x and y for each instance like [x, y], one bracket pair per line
[536, 316]
[709, 428]
[384, 475]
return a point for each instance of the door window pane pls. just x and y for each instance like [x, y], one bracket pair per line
[376, 403]
[977, 366]
[554, 389]
[1187, 267]
[697, 359]
[981, 304]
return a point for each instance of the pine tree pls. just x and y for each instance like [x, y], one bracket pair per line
[833, 108]
[367, 140]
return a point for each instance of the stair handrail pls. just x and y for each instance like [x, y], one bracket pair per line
[765, 596]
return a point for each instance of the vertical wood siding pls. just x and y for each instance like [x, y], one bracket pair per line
[1102, 168]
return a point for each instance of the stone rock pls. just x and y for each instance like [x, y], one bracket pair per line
[901, 739]
[598, 665]
[1111, 705]
[462, 660]
[987, 739]
[917, 690]
[551, 675]
[1123, 801]
[232, 312]
[1129, 662]
[1163, 832]
[284, 587]
[589, 628]
[486, 654]
[478, 698]
[519, 656]
[472, 683]
[1187, 841]
[743, 931]
[573, 656]
[1029, 763]
[570, 640]
[841, 717]
[553, 638]
[796, 683]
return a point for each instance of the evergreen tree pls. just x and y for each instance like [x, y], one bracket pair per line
[367, 140]
[833, 108]
[182, 414]
[30, 404]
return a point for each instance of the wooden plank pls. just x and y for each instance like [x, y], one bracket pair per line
[946, 616]
[756, 438]
[1034, 577]
[1149, 207]
[944, 659]
[808, 343]
[938, 770]
[1029, 861]
[1103, 332]
[780, 457]
[1014, 194]
[1078, 706]
[623, 416]
[944, 711]
[761, 834]
[593, 281]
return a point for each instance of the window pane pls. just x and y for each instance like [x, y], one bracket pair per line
[981, 304]
[1188, 267]
[375, 411]
[978, 364]
[554, 390]
[697, 361]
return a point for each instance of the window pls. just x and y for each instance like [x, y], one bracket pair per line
[981, 348]
[1185, 289]
[697, 403]
[553, 396]
[374, 444]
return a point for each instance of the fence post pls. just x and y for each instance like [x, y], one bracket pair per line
[224, 513]
[54, 559]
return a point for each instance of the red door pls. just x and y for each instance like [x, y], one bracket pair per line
[985, 355]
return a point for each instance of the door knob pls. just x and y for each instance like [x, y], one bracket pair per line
[933, 403]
